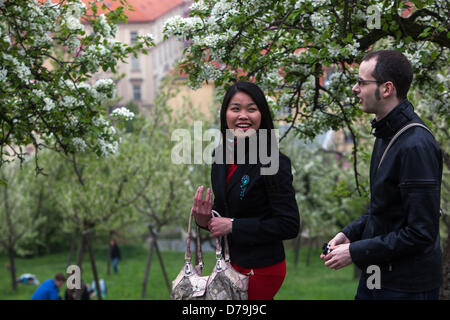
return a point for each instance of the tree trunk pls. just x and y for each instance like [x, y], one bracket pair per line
[81, 250]
[308, 255]
[162, 267]
[297, 245]
[108, 258]
[94, 268]
[80, 255]
[13, 268]
[72, 247]
[147, 267]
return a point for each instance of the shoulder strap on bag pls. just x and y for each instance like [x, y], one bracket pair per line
[218, 245]
[399, 132]
[188, 254]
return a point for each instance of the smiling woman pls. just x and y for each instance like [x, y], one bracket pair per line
[258, 209]
[243, 114]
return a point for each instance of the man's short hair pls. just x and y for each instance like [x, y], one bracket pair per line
[60, 277]
[393, 66]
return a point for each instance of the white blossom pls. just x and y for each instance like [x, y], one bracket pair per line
[49, 104]
[79, 144]
[74, 23]
[108, 148]
[3, 74]
[123, 113]
[181, 27]
[319, 21]
[104, 89]
[199, 6]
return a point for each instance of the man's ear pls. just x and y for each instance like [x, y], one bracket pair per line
[388, 89]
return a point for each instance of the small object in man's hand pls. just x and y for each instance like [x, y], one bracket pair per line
[326, 248]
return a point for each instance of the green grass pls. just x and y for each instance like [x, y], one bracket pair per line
[302, 282]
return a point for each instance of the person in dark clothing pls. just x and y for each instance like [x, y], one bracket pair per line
[399, 234]
[84, 293]
[258, 208]
[114, 254]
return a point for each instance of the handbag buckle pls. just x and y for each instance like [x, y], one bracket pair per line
[219, 265]
[187, 269]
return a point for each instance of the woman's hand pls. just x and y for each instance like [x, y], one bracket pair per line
[201, 209]
[219, 226]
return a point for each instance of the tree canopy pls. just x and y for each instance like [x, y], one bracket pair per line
[305, 53]
[50, 52]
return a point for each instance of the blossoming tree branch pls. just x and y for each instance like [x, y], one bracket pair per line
[305, 53]
[49, 53]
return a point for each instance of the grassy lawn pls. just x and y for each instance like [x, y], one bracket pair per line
[302, 282]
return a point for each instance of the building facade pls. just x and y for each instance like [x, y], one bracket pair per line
[139, 78]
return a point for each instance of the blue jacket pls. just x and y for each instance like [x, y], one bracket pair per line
[47, 291]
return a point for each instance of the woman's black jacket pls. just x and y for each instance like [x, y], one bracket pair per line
[264, 209]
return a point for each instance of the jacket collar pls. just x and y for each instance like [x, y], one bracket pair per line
[393, 121]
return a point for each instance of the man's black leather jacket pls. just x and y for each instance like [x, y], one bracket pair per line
[400, 231]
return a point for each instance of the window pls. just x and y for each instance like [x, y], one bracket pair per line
[135, 66]
[136, 92]
[133, 36]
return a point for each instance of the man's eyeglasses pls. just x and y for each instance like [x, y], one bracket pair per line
[362, 82]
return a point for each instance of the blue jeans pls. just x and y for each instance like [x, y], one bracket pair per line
[364, 293]
[115, 262]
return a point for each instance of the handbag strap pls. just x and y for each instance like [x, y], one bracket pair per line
[188, 253]
[218, 242]
[399, 132]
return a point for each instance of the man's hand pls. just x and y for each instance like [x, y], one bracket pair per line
[339, 257]
[338, 239]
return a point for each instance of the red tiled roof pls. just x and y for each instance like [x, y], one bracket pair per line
[144, 10]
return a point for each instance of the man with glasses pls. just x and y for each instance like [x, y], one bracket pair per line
[399, 234]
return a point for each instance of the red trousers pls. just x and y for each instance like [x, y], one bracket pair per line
[265, 282]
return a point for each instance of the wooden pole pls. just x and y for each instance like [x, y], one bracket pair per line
[94, 267]
[147, 267]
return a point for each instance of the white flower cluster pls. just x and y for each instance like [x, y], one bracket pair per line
[79, 144]
[319, 21]
[107, 30]
[199, 6]
[108, 148]
[22, 71]
[123, 113]
[414, 58]
[43, 40]
[222, 10]
[315, 3]
[353, 48]
[70, 102]
[73, 23]
[3, 74]
[49, 104]
[148, 38]
[104, 89]
[182, 27]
